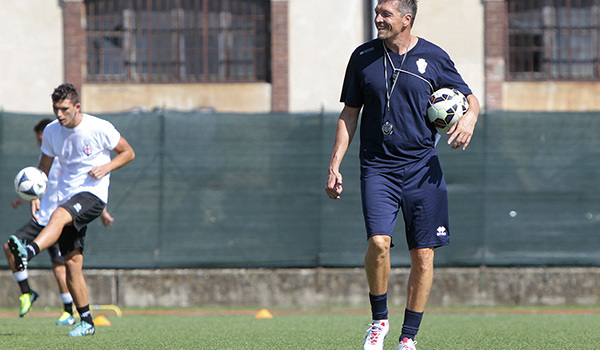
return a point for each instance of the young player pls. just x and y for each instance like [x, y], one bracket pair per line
[83, 144]
[29, 231]
[390, 79]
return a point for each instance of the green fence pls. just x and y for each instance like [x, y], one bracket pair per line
[223, 190]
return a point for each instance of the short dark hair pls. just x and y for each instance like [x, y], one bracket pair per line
[64, 92]
[406, 7]
[39, 127]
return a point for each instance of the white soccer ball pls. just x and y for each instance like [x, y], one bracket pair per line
[30, 183]
[445, 107]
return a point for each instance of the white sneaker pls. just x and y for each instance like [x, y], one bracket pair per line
[376, 335]
[407, 344]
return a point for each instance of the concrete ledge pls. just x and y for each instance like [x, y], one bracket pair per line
[320, 287]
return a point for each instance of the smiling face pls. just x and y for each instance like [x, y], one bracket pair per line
[389, 21]
[67, 113]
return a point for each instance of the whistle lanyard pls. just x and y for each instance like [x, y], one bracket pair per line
[395, 73]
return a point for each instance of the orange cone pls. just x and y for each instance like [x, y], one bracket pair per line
[263, 313]
[101, 321]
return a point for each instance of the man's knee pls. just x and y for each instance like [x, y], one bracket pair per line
[61, 216]
[379, 244]
[422, 259]
[73, 259]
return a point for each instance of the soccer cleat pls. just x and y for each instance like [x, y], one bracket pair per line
[82, 329]
[407, 344]
[66, 319]
[26, 300]
[18, 251]
[376, 335]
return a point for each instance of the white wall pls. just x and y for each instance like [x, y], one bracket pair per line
[31, 54]
[323, 34]
[463, 41]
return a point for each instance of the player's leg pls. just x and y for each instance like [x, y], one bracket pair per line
[47, 237]
[380, 209]
[420, 279]
[84, 208]
[377, 264]
[25, 234]
[60, 274]
[419, 287]
[425, 209]
[50, 234]
[9, 258]
[377, 268]
[78, 288]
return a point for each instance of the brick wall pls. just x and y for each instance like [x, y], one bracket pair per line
[279, 56]
[74, 42]
[495, 49]
[75, 49]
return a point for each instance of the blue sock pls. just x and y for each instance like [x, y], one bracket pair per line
[379, 306]
[412, 321]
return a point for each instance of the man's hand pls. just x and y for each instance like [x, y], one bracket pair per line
[35, 208]
[18, 202]
[462, 132]
[334, 184]
[98, 172]
[106, 218]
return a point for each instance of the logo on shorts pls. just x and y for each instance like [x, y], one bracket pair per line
[77, 208]
[441, 231]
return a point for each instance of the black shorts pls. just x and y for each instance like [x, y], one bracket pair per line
[84, 208]
[30, 231]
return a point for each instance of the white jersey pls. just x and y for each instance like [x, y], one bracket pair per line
[49, 201]
[79, 150]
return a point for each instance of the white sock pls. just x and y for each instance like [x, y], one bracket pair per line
[21, 275]
[66, 298]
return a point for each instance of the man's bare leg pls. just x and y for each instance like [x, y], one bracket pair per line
[419, 286]
[50, 234]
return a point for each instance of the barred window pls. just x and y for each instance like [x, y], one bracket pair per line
[177, 41]
[553, 39]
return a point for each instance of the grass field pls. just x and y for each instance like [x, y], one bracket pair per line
[320, 330]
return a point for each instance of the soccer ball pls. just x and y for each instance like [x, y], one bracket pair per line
[445, 107]
[30, 183]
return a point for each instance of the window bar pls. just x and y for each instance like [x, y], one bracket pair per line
[205, 25]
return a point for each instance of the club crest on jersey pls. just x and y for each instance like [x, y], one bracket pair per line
[422, 65]
[87, 150]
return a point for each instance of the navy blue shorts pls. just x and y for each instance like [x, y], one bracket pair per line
[420, 191]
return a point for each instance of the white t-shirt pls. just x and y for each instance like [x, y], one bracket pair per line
[49, 201]
[78, 150]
